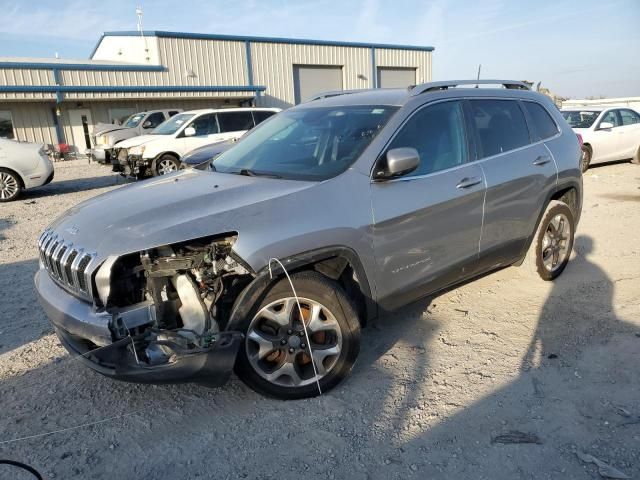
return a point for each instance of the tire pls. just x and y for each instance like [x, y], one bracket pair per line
[636, 157]
[10, 185]
[265, 360]
[585, 160]
[541, 257]
[165, 164]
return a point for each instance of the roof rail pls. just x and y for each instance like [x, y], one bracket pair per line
[434, 86]
[333, 93]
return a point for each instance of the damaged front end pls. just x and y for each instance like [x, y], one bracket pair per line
[166, 310]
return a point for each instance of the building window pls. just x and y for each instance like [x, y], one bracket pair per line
[119, 115]
[6, 124]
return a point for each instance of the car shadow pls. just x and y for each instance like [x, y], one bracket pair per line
[401, 414]
[58, 187]
[607, 164]
[569, 395]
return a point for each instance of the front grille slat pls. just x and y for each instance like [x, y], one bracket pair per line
[67, 264]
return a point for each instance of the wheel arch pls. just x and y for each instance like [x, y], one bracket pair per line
[16, 173]
[339, 263]
[160, 155]
[569, 193]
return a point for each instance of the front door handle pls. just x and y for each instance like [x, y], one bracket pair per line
[468, 182]
[542, 160]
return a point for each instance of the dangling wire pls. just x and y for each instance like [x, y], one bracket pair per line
[304, 325]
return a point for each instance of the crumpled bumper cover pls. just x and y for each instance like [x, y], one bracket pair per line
[211, 366]
[84, 332]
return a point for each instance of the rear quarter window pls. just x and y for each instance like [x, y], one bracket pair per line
[500, 126]
[235, 121]
[543, 125]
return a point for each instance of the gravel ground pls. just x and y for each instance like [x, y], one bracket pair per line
[435, 385]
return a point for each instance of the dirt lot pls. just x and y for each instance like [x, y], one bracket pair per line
[435, 383]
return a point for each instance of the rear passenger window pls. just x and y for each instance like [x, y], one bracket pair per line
[437, 133]
[500, 126]
[629, 117]
[235, 121]
[543, 124]
[261, 115]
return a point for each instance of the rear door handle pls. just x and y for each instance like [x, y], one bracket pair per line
[542, 160]
[468, 182]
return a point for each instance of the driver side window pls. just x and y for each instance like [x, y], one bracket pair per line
[612, 117]
[437, 132]
[205, 125]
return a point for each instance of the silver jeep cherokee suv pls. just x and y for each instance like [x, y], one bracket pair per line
[370, 199]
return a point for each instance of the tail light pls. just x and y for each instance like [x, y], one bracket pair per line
[580, 141]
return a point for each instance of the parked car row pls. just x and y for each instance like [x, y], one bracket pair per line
[160, 151]
[23, 165]
[607, 133]
[106, 135]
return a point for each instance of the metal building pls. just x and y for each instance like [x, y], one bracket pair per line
[58, 101]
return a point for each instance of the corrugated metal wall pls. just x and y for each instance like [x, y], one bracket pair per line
[197, 62]
[187, 62]
[32, 122]
[406, 58]
[26, 76]
[273, 67]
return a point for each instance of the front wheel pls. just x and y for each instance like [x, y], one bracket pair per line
[277, 360]
[551, 247]
[165, 164]
[10, 185]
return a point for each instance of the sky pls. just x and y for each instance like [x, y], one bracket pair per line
[577, 49]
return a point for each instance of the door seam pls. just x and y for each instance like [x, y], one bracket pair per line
[484, 201]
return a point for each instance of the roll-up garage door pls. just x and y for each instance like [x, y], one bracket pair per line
[309, 80]
[393, 77]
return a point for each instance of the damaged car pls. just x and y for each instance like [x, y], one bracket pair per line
[271, 260]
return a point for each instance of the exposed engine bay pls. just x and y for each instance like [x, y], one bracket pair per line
[172, 299]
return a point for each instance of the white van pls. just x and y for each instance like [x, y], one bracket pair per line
[160, 151]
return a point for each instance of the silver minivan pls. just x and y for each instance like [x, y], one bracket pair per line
[325, 216]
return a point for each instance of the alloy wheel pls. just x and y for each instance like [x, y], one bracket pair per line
[276, 344]
[9, 186]
[555, 244]
[166, 166]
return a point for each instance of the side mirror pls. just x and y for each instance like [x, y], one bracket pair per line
[399, 161]
[605, 126]
[147, 124]
[189, 132]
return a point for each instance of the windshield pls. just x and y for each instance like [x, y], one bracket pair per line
[172, 125]
[580, 119]
[134, 120]
[306, 144]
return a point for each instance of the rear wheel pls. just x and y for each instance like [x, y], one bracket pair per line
[551, 247]
[585, 159]
[278, 360]
[166, 164]
[10, 185]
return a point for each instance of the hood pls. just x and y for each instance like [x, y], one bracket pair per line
[182, 206]
[102, 128]
[140, 140]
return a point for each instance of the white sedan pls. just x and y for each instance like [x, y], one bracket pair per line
[608, 133]
[22, 165]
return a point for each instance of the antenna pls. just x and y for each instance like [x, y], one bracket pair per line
[141, 30]
[139, 22]
[478, 78]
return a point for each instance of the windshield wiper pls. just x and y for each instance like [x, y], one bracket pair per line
[252, 173]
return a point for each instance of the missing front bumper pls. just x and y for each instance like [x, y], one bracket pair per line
[211, 366]
[87, 333]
